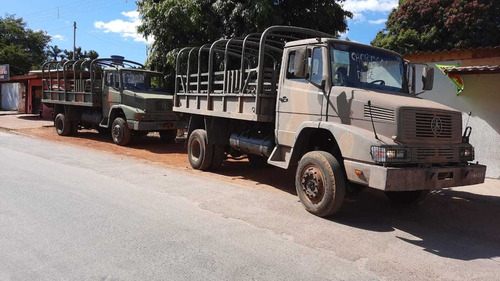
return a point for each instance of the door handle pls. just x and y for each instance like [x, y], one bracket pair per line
[283, 99]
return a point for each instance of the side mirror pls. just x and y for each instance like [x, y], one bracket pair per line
[427, 78]
[300, 63]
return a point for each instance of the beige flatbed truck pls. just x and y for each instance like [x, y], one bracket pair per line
[342, 114]
[111, 95]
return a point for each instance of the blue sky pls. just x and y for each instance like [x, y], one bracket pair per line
[108, 26]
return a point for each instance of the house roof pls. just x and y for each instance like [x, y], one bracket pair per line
[478, 69]
[453, 54]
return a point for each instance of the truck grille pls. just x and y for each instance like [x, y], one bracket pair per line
[435, 154]
[159, 106]
[430, 125]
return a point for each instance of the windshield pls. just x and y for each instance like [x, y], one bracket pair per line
[143, 81]
[364, 67]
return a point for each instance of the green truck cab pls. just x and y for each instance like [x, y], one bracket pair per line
[110, 95]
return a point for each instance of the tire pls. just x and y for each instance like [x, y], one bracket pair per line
[62, 125]
[218, 157]
[200, 153]
[406, 197]
[168, 136]
[120, 131]
[320, 183]
[257, 161]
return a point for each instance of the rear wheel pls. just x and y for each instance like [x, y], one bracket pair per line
[168, 136]
[120, 131]
[62, 125]
[406, 197]
[320, 183]
[200, 153]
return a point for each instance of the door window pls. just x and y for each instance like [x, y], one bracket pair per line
[316, 66]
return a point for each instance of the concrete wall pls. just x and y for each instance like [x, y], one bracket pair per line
[481, 96]
[10, 96]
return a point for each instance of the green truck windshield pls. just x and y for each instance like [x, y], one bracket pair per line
[143, 81]
[362, 67]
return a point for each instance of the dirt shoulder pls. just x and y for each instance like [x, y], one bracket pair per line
[151, 149]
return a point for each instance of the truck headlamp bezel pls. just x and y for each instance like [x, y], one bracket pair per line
[467, 153]
[390, 154]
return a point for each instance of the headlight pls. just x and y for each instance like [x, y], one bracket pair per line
[466, 153]
[390, 154]
[142, 116]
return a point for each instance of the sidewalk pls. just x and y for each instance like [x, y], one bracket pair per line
[12, 120]
[8, 112]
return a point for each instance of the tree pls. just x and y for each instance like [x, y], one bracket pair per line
[91, 54]
[441, 24]
[53, 52]
[20, 47]
[178, 23]
[78, 53]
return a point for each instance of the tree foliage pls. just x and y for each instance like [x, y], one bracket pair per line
[21, 47]
[68, 54]
[441, 24]
[178, 23]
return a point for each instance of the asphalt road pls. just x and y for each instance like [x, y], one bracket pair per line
[68, 213]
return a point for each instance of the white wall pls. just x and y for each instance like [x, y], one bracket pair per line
[10, 96]
[481, 96]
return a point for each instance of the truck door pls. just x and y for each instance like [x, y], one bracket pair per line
[110, 91]
[300, 99]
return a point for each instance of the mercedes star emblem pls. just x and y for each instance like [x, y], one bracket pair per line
[436, 125]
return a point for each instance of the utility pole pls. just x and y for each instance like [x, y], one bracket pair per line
[74, 40]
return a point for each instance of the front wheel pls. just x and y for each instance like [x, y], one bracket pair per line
[320, 183]
[120, 131]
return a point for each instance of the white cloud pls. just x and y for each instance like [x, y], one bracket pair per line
[379, 21]
[357, 6]
[358, 17]
[58, 37]
[126, 28]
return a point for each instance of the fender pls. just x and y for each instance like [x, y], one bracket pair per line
[128, 111]
[353, 142]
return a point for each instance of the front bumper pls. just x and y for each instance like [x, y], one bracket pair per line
[403, 179]
[152, 125]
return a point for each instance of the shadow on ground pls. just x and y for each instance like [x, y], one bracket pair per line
[451, 224]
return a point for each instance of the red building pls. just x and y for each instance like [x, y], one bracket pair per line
[28, 92]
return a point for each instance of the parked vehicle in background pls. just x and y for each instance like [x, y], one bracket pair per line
[342, 113]
[110, 95]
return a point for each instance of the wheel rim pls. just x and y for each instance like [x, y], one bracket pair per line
[313, 184]
[195, 150]
[117, 133]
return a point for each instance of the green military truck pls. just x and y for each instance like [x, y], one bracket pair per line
[111, 95]
[342, 114]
